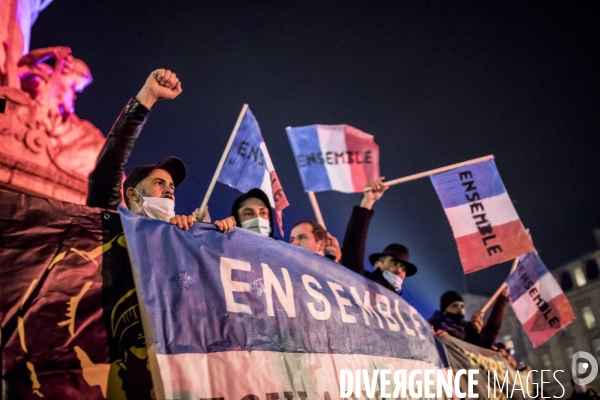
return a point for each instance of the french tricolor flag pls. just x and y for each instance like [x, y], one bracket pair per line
[334, 157]
[484, 221]
[539, 303]
[248, 165]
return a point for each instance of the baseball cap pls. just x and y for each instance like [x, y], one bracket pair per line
[173, 165]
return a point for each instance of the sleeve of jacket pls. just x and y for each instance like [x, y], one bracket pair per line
[355, 239]
[104, 183]
[494, 323]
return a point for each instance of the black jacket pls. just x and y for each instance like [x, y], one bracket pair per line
[355, 243]
[104, 183]
[465, 331]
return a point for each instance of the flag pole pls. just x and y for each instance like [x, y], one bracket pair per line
[501, 288]
[433, 171]
[316, 209]
[222, 161]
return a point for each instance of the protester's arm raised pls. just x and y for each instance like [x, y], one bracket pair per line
[494, 323]
[355, 238]
[104, 183]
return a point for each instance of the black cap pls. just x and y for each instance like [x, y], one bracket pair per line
[255, 193]
[398, 252]
[448, 298]
[173, 165]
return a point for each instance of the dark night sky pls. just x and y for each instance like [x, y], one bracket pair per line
[435, 82]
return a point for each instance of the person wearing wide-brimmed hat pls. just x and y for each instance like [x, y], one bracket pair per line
[392, 265]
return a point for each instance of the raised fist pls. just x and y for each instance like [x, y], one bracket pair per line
[161, 84]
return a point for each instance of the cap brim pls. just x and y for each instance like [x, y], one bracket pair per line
[175, 167]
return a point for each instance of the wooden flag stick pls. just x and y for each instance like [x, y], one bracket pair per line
[316, 209]
[222, 161]
[501, 288]
[433, 171]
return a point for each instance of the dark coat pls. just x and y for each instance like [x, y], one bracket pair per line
[465, 331]
[104, 183]
[355, 243]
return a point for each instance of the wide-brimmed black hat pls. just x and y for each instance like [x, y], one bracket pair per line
[173, 165]
[397, 252]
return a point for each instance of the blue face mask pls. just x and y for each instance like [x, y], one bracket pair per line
[393, 280]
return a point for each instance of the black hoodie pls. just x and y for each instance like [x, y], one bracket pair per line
[257, 194]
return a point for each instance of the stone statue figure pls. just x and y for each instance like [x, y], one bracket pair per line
[73, 143]
[45, 148]
[16, 20]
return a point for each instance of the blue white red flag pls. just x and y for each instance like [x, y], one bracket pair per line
[240, 315]
[249, 166]
[486, 226]
[537, 300]
[334, 157]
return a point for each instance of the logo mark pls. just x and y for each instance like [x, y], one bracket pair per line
[580, 368]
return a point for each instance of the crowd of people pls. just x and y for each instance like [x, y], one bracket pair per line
[149, 191]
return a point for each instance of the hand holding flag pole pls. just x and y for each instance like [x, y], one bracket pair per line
[222, 161]
[501, 288]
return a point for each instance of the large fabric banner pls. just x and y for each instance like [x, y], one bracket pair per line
[69, 317]
[484, 221]
[334, 157]
[537, 300]
[243, 316]
[496, 379]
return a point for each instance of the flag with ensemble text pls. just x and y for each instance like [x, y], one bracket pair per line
[240, 315]
[537, 300]
[486, 226]
[248, 165]
[334, 157]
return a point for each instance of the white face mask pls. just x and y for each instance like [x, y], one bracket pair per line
[258, 224]
[393, 279]
[157, 207]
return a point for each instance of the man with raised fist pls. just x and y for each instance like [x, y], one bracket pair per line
[150, 189]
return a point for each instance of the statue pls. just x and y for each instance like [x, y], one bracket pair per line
[73, 143]
[16, 19]
[45, 148]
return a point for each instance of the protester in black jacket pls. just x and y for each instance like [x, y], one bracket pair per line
[392, 265]
[150, 189]
[451, 319]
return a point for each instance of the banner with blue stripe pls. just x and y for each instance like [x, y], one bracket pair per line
[228, 302]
